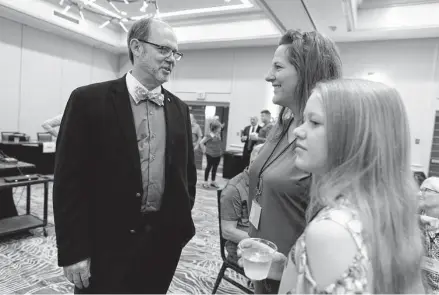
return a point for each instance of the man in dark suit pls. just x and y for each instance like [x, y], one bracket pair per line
[125, 175]
[249, 140]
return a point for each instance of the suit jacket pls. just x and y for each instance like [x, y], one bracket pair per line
[98, 181]
[246, 132]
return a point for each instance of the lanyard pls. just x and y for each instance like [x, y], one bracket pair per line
[268, 163]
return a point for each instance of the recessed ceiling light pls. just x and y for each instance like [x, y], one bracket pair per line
[227, 1]
[123, 13]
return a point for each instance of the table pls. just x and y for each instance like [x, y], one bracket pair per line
[30, 152]
[7, 206]
[27, 221]
[233, 164]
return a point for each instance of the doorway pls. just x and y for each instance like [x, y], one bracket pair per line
[204, 113]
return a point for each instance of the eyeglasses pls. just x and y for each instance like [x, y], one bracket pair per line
[165, 50]
[425, 189]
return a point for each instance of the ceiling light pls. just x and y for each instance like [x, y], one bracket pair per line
[114, 6]
[124, 20]
[104, 24]
[82, 15]
[144, 6]
[100, 8]
[61, 2]
[123, 13]
[126, 1]
[66, 9]
[123, 27]
[245, 4]
[227, 1]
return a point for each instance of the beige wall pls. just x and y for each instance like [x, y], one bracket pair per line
[39, 71]
[234, 75]
[411, 67]
[237, 76]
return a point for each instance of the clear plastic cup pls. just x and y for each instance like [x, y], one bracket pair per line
[257, 255]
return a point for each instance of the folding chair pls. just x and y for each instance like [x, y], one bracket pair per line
[227, 263]
[44, 136]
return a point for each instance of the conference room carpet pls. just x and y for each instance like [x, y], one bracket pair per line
[28, 262]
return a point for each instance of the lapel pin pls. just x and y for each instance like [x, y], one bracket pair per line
[169, 99]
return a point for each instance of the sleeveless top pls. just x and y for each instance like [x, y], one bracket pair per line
[353, 281]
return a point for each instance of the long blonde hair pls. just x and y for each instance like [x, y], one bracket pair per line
[368, 141]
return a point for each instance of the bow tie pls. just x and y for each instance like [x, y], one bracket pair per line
[142, 95]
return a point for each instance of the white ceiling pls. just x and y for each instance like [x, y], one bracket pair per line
[233, 22]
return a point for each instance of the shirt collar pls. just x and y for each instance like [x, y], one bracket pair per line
[132, 83]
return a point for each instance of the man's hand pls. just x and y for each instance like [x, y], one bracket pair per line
[243, 138]
[78, 273]
[254, 136]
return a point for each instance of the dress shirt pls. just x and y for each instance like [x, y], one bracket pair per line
[150, 124]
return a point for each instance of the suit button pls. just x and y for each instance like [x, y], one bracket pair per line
[138, 195]
[132, 231]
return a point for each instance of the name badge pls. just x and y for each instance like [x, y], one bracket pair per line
[430, 264]
[255, 214]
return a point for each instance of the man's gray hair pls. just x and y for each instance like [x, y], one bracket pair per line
[141, 29]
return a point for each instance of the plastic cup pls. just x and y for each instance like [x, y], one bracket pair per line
[257, 256]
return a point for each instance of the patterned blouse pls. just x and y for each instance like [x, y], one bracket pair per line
[430, 230]
[353, 281]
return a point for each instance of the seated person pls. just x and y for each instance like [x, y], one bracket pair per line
[430, 229]
[234, 210]
[52, 125]
[419, 177]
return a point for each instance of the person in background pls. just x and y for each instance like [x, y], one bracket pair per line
[125, 177]
[362, 234]
[278, 189]
[262, 135]
[419, 177]
[249, 143]
[197, 134]
[211, 145]
[52, 125]
[234, 210]
[430, 229]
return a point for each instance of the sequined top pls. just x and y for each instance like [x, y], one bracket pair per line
[353, 281]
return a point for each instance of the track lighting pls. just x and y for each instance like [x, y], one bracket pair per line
[104, 24]
[123, 26]
[66, 9]
[144, 7]
[114, 6]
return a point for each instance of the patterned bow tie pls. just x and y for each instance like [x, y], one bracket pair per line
[143, 95]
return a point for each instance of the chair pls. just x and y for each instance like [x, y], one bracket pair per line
[12, 136]
[5, 135]
[44, 136]
[227, 263]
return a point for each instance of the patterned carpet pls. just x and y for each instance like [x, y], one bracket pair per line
[28, 262]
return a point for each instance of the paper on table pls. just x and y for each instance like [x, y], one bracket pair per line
[49, 147]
